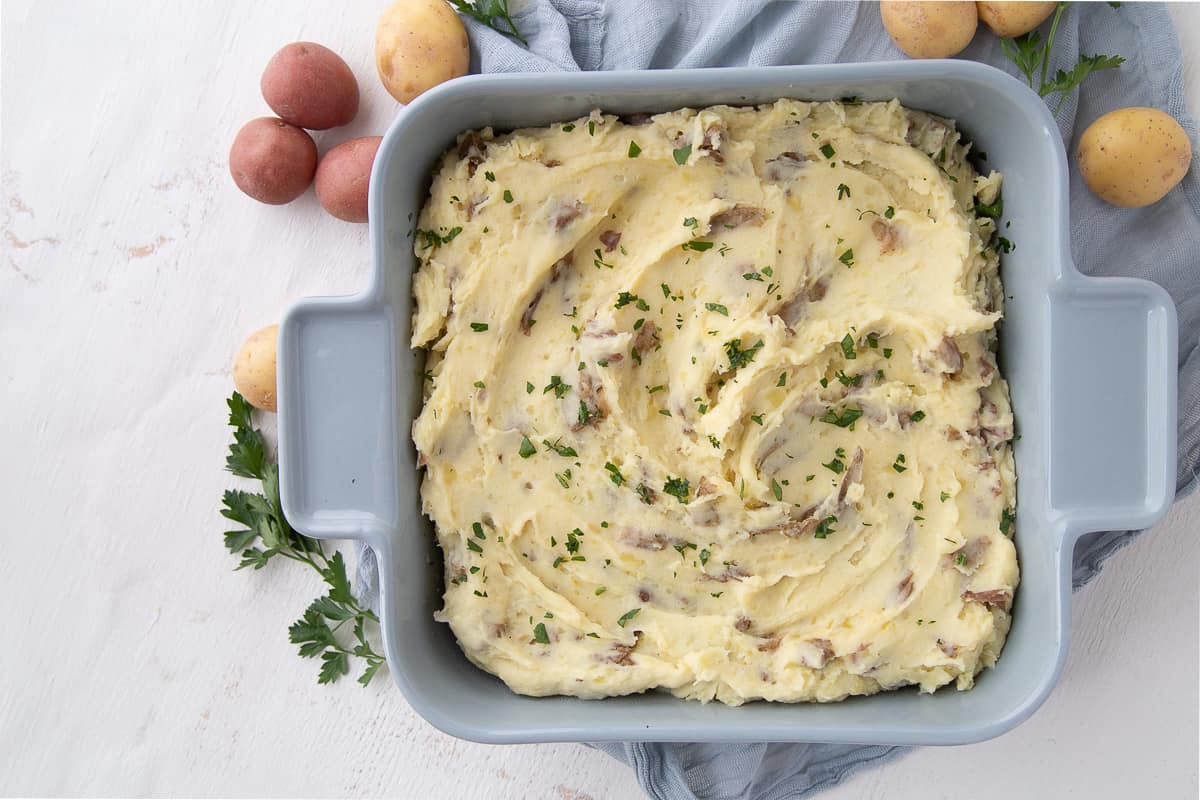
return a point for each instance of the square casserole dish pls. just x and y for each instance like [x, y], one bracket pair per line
[1091, 365]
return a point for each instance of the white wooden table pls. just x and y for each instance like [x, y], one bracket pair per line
[133, 659]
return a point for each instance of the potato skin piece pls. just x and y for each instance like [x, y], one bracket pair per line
[344, 176]
[254, 368]
[1132, 157]
[419, 44]
[930, 28]
[272, 161]
[1010, 18]
[310, 86]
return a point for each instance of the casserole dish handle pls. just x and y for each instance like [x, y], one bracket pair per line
[338, 468]
[1113, 378]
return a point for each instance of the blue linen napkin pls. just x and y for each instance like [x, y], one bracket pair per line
[1159, 243]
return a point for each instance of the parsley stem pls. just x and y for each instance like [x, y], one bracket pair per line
[1050, 43]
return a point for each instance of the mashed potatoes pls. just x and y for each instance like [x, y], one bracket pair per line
[712, 403]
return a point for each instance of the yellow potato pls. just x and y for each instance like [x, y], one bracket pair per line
[1014, 18]
[930, 29]
[254, 368]
[419, 44]
[1132, 157]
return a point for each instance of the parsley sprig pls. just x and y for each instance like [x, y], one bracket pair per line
[493, 13]
[268, 535]
[1032, 56]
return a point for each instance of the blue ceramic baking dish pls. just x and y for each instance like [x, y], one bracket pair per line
[1091, 364]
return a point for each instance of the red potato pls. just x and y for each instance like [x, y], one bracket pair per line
[272, 161]
[310, 86]
[344, 176]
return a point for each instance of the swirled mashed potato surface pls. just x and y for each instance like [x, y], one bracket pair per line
[713, 406]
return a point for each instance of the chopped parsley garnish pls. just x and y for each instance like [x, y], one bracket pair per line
[847, 257]
[664, 412]
[628, 615]
[655, 389]
[699, 245]
[961, 560]
[490, 176]
[473, 546]
[682, 154]
[872, 340]
[714, 441]
[752, 276]
[758, 418]
[527, 448]
[776, 489]
[768, 271]
[598, 260]
[1007, 517]
[508, 198]
[477, 529]
[1004, 245]
[591, 127]
[848, 347]
[717, 307]
[843, 191]
[570, 126]
[678, 488]
[528, 387]
[539, 634]
[993, 210]
[835, 466]
[690, 222]
[889, 212]
[917, 415]
[614, 473]
[625, 298]
[646, 493]
[480, 385]
[738, 357]
[479, 327]
[846, 380]
[634, 150]
[704, 557]
[843, 420]
[782, 379]
[585, 413]
[898, 465]
[601, 590]
[824, 527]
[827, 150]
[666, 290]
[557, 386]
[887, 352]
[918, 505]
[562, 449]
[824, 383]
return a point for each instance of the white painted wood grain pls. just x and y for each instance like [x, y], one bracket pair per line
[133, 661]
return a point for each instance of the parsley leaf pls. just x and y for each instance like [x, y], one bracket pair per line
[628, 615]
[492, 13]
[262, 516]
[682, 154]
